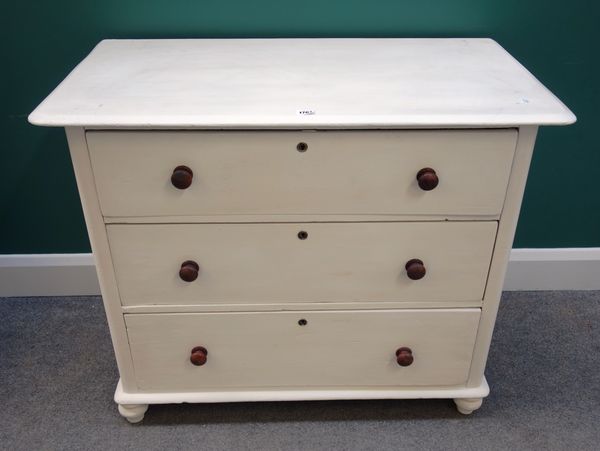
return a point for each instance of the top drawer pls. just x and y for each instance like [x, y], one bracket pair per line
[295, 172]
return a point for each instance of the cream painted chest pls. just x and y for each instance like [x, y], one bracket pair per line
[300, 219]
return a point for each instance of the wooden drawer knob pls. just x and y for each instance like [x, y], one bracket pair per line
[199, 356]
[404, 356]
[415, 269]
[189, 271]
[182, 177]
[427, 179]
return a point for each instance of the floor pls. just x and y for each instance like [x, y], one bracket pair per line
[57, 377]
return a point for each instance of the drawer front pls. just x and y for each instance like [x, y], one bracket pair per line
[264, 173]
[270, 263]
[339, 348]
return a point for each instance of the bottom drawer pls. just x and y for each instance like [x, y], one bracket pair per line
[301, 349]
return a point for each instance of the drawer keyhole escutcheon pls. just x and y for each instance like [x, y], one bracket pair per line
[302, 147]
[404, 356]
[427, 179]
[199, 356]
[302, 235]
[302, 322]
[189, 271]
[415, 269]
[182, 177]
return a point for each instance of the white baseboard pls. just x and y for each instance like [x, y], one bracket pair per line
[75, 275]
[554, 269]
[48, 275]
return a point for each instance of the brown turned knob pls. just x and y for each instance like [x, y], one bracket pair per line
[404, 356]
[427, 179]
[189, 271]
[415, 269]
[199, 356]
[182, 177]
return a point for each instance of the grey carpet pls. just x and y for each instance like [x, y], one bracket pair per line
[57, 377]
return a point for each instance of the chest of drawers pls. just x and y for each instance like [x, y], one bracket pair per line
[300, 219]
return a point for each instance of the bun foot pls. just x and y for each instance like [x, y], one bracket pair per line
[134, 413]
[466, 406]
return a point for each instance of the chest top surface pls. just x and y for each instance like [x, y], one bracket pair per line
[300, 83]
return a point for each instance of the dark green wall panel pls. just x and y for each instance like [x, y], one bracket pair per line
[42, 41]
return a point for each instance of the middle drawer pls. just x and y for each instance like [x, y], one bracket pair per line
[304, 262]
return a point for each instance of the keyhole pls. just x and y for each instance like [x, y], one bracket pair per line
[302, 235]
[302, 147]
[302, 322]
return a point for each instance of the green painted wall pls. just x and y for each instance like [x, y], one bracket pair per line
[42, 41]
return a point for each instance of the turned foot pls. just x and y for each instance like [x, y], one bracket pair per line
[133, 412]
[466, 406]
